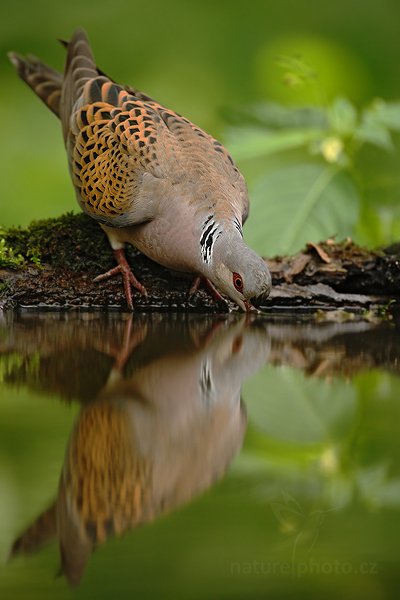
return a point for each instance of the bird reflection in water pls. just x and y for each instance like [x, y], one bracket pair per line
[163, 429]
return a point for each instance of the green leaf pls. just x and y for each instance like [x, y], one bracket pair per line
[386, 113]
[275, 115]
[251, 143]
[342, 116]
[373, 132]
[376, 486]
[377, 121]
[301, 203]
[289, 408]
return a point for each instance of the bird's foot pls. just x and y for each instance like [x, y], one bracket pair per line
[134, 333]
[127, 275]
[210, 287]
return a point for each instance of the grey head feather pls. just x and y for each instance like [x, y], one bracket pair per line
[230, 256]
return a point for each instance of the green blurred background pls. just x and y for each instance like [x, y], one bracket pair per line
[215, 62]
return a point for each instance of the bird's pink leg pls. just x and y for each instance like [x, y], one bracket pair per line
[127, 275]
[135, 332]
[200, 279]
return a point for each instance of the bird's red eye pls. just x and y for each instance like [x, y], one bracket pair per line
[238, 282]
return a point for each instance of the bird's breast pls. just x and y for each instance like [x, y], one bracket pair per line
[169, 242]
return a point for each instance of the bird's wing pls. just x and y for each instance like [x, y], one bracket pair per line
[198, 158]
[115, 139]
[112, 144]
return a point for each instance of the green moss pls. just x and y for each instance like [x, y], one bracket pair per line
[8, 257]
[72, 241]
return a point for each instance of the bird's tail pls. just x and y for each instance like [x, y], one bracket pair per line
[79, 66]
[44, 81]
[40, 532]
[50, 85]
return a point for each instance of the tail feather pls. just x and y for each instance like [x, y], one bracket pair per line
[79, 68]
[40, 532]
[44, 81]
[131, 90]
[61, 91]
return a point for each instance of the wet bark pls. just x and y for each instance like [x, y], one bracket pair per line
[52, 264]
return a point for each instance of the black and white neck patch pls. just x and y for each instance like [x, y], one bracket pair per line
[210, 233]
[207, 388]
[238, 226]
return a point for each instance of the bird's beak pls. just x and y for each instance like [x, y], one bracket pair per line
[257, 301]
[249, 307]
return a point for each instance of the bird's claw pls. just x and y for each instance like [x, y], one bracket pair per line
[128, 277]
[210, 288]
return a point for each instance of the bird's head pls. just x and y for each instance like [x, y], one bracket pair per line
[239, 272]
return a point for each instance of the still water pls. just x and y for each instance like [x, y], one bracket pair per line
[198, 457]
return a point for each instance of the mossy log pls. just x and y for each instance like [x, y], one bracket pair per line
[52, 264]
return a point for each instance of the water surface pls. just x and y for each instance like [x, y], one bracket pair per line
[183, 456]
